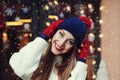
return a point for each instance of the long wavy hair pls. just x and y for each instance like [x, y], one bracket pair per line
[46, 64]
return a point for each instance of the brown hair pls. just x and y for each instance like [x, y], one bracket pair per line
[46, 63]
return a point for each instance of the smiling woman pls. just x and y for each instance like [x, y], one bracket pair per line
[62, 42]
[58, 59]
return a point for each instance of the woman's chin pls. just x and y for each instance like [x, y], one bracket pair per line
[55, 52]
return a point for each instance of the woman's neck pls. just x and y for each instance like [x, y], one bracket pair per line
[57, 62]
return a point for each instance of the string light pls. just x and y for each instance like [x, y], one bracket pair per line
[39, 2]
[91, 49]
[38, 17]
[23, 5]
[56, 18]
[25, 35]
[68, 8]
[47, 23]
[82, 12]
[36, 11]
[94, 76]
[33, 4]
[46, 7]
[101, 8]
[55, 2]
[90, 6]
[100, 21]
[101, 35]
[93, 62]
[14, 23]
[91, 37]
[5, 37]
[50, 3]
[3, 2]
[13, 6]
[8, 1]
[62, 3]
[6, 70]
[30, 34]
[53, 17]
[99, 49]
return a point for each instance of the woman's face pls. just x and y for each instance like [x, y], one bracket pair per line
[62, 42]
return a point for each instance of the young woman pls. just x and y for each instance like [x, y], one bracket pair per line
[59, 58]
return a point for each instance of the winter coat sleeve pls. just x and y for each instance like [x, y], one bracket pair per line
[26, 61]
[79, 72]
[102, 73]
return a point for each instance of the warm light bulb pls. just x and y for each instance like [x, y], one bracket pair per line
[93, 62]
[101, 8]
[30, 34]
[91, 37]
[38, 17]
[46, 7]
[56, 17]
[94, 76]
[99, 49]
[5, 37]
[100, 21]
[55, 1]
[47, 23]
[50, 3]
[36, 11]
[91, 49]
[89, 5]
[33, 4]
[26, 35]
[68, 8]
[23, 5]
[82, 12]
[101, 35]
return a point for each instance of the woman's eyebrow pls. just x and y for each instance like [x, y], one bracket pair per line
[63, 32]
[72, 39]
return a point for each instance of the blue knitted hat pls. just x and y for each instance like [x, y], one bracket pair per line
[76, 27]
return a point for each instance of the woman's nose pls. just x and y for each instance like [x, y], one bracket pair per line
[62, 43]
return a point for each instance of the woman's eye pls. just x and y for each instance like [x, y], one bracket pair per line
[70, 42]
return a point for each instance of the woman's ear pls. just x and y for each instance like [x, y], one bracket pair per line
[50, 40]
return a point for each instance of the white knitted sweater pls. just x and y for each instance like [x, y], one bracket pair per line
[26, 61]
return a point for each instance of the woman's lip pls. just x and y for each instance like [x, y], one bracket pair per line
[57, 47]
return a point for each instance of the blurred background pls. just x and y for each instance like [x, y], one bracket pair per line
[23, 20]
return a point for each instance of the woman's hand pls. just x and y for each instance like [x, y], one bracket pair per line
[85, 50]
[50, 30]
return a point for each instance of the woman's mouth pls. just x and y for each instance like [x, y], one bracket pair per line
[57, 47]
